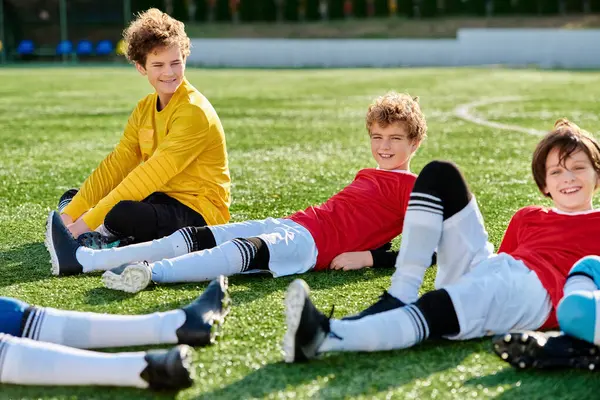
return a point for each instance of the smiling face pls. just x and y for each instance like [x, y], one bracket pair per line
[391, 147]
[570, 182]
[165, 68]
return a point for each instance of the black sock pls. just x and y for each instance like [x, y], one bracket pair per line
[440, 315]
[442, 180]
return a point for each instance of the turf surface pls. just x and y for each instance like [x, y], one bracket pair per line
[294, 139]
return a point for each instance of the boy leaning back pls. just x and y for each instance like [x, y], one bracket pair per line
[478, 293]
[342, 233]
[170, 169]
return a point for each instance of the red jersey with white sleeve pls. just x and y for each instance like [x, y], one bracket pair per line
[549, 242]
[363, 216]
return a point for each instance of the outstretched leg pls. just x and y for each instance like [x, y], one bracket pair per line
[194, 324]
[68, 257]
[27, 362]
[497, 295]
[282, 247]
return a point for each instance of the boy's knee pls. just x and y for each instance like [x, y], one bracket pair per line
[122, 218]
[444, 180]
[11, 315]
[576, 314]
[587, 266]
[440, 175]
[439, 168]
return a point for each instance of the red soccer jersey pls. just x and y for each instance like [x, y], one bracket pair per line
[549, 242]
[365, 215]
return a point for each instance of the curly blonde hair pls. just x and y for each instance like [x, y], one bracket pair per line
[401, 108]
[151, 29]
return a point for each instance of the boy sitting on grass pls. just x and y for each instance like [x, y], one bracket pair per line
[478, 293]
[170, 169]
[342, 233]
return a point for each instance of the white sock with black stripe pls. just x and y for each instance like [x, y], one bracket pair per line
[28, 362]
[177, 244]
[395, 329]
[63, 204]
[229, 258]
[421, 235]
[88, 330]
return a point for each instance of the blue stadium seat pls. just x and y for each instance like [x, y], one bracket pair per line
[26, 47]
[104, 48]
[84, 48]
[64, 47]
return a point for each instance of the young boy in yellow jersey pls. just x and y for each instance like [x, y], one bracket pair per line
[170, 169]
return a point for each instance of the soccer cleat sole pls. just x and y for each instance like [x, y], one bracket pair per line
[225, 307]
[523, 350]
[217, 323]
[133, 279]
[49, 243]
[295, 298]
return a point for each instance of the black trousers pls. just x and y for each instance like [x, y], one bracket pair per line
[156, 216]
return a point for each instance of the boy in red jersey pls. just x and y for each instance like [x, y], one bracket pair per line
[478, 293]
[343, 232]
[170, 169]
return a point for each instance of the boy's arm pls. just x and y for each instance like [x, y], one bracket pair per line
[382, 257]
[186, 140]
[386, 258]
[108, 174]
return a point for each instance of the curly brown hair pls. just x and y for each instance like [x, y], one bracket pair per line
[151, 29]
[396, 107]
[568, 138]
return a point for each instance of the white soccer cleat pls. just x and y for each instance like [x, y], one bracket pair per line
[130, 278]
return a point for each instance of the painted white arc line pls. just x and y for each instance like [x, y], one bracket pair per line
[463, 111]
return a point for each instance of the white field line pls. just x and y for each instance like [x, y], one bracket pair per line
[464, 111]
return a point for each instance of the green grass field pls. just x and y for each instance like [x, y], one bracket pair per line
[294, 139]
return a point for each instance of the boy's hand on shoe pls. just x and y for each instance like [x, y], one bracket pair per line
[77, 228]
[352, 260]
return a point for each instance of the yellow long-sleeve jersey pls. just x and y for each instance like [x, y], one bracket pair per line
[180, 151]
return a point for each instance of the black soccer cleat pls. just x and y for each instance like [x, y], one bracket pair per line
[307, 327]
[62, 247]
[168, 369]
[386, 302]
[546, 350]
[66, 198]
[205, 315]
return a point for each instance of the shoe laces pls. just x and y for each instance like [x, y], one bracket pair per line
[331, 312]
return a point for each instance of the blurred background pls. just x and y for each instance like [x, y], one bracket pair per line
[90, 30]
